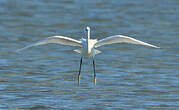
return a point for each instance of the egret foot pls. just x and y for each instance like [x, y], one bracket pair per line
[78, 79]
[94, 80]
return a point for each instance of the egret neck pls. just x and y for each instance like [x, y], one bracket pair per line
[88, 39]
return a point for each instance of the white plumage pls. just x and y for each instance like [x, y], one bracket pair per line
[88, 45]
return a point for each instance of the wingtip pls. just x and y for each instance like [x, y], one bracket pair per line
[17, 51]
[156, 47]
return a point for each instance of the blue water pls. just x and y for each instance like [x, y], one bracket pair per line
[128, 76]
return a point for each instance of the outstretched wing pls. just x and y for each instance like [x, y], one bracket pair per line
[55, 39]
[121, 39]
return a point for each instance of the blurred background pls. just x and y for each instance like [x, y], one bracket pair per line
[128, 76]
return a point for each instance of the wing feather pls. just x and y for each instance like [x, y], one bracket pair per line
[121, 39]
[57, 40]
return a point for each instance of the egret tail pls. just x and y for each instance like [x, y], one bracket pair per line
[95, 51]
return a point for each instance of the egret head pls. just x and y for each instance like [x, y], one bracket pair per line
[87, 29]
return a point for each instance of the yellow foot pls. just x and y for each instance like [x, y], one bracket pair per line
[94, 80]
[78, 79]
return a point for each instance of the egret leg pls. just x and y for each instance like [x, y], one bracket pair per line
[94, 72]
[79, 71]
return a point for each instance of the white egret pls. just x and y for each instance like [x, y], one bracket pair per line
[88, 46]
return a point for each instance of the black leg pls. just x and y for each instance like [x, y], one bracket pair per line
[94, 72]
[79, 71]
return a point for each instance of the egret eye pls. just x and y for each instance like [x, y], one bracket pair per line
[86, 29]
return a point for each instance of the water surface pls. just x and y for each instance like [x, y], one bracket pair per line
[128, 76]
